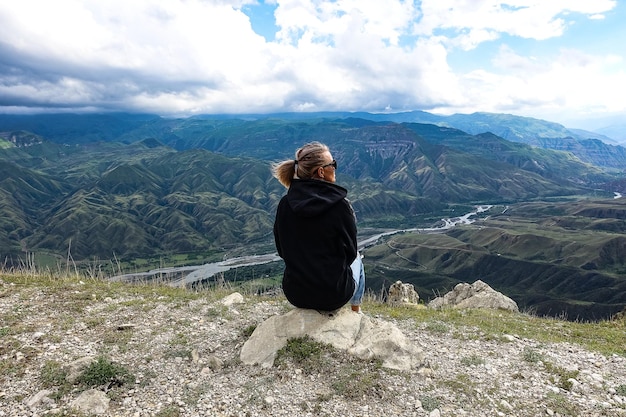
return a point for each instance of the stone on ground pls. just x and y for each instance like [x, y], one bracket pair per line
[358, 334]
[476, 295]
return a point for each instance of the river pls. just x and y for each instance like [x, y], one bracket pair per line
[185, 275]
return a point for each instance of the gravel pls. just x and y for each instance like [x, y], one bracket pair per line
[183, 358]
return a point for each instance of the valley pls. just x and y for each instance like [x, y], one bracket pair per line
[562, 259]
[554, 258]
[147, 193]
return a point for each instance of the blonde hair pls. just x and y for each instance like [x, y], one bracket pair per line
[308, 158]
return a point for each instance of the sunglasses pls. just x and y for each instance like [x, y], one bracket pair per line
[332, 164]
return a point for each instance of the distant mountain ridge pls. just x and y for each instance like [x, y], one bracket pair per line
[154, 185]
[591, 147]
[615, 131]
[154, 182]
[507, 126]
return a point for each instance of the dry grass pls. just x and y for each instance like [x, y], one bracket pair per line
[607, 337]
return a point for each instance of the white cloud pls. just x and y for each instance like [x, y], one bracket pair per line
[568, 87]
[534, 19]
[507, 60]
[147, 44]
[201, 56]
[320, 21]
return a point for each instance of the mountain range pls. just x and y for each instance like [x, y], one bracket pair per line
[127, 186]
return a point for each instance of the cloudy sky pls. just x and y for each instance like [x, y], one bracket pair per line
[559, 60]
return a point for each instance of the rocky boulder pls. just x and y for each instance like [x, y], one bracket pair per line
[402, 294]
[91, 402]
[358, 334]
[476, 295]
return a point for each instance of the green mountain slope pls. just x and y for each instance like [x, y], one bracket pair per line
[168, 202]
[70, 128]
[209, 131]
[407, 158]
[167, 190]
[587, 147]
[560, 258]
[153, 187]
[545, 162]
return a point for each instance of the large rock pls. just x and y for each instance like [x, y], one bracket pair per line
[476, 295]
[358, 334]
[402, 294]
[42, 397]
[232, 299]
[92, 401]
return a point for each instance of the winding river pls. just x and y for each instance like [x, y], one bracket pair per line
[185, 275]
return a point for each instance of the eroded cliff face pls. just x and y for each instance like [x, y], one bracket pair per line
[592, 151]
[20, 138]
[401, 159]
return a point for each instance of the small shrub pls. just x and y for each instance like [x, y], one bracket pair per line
[179, 340]
[169, 411]
[323, 397]
[462, 383]
[621, 390]
[437, 327]
[359, 379]
[52, 374]
[350, 377]
[9, 367]
[213, 312]
[306, 353]
[54, 377]
[104, 372]
[302, 350]
[178, 353]
[562, 376]
[472, 360]
[561, 406]
[94, 322]
[429, 403]
[531, 355]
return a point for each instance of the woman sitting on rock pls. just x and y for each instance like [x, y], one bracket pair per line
[315, 234]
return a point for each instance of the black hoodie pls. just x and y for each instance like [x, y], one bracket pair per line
[315, 234]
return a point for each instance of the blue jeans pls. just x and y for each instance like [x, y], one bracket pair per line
[358, 274]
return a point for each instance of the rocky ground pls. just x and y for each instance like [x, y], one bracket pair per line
[180, 357]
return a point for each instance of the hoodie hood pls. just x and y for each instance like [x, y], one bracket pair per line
[309, 198]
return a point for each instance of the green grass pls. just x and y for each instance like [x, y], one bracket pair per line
[304, 352]
[350, 378]
[606, 337]
[472, 360]
[101, 373]
[76, 292]
[104, 372]
[561, 376]
[561, 405]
